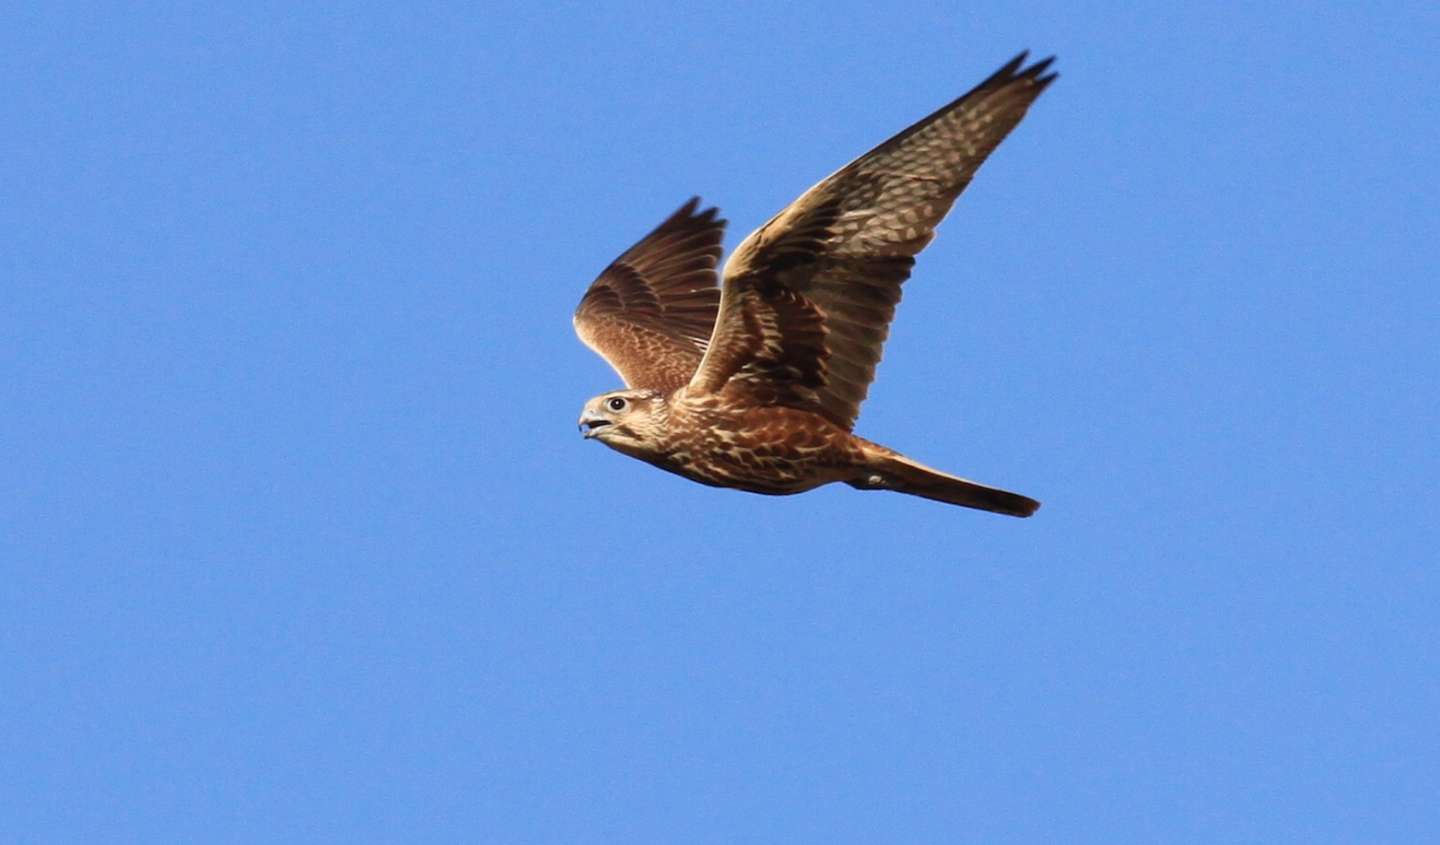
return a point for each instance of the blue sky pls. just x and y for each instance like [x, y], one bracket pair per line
[300, 543]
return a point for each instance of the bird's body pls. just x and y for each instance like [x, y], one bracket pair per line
[761, 449]
[756, 386]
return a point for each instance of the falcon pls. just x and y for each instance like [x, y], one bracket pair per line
[755, 382]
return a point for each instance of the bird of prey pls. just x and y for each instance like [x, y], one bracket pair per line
[756, 383]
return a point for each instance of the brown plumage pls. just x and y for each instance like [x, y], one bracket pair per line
[757, 384]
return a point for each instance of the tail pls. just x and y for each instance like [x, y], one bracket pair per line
[892, 471]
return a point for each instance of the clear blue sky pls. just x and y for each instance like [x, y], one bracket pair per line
[300, 543]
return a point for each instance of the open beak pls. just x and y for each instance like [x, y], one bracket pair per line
[590, 424]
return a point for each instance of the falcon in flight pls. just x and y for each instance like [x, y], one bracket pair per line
[755, 382]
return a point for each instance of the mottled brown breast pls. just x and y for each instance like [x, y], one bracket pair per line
[775, 449]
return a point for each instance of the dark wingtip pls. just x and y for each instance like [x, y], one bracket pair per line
[1015, 69]
[1039, 67]
[1037, 72]
[687, 212]
[1006, 71]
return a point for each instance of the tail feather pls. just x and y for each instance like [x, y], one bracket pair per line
[899, 473]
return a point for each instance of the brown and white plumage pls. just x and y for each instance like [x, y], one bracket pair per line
[651, 312]
[757, 384]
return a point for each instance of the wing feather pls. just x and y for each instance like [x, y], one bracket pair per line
[650, 314]
[836, 257]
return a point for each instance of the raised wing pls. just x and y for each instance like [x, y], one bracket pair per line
[809, 296]
[651, 312]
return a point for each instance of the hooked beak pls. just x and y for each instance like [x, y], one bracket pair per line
[591, 423]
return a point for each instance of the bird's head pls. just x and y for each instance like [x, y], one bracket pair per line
[632, 421]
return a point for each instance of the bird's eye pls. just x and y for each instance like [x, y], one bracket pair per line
[616, 404]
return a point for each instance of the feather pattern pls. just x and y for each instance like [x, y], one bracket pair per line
[846, 245]
[651, 312]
